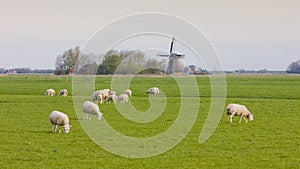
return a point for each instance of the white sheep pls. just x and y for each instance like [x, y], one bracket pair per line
[112, 93]
[100, 95]
[128, 92]
[97, 96]
[153, 91]
[105, 94]
[63, 92]
[123, 98]
[89, 108]
[238, 110]
[93, 96]
[112, 98]
[50, 92]
[58, 119]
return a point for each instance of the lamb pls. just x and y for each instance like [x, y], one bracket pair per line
[123, 98]
[238, 110]
[89, 108]
[50, 92]
[153, 91]
[58, 119]
[63, 92]
[128, 92]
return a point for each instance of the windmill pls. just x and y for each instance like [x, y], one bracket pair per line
[175, 64]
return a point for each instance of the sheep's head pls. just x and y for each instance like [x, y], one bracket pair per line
[250, 117]
[99, 116]
[67, 128]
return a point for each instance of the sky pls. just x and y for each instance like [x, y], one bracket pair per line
[250, 34]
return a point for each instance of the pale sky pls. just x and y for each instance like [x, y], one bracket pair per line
[252, 34]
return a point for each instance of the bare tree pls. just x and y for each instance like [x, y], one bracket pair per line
[66, 63]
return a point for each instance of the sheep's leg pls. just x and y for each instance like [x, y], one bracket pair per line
[52, 127]
[244, 118]
[230, 118]
[241, 118]
[59, 129]
[55, 128]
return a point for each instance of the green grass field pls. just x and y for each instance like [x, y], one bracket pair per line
[272, 140]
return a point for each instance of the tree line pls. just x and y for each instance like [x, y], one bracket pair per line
[113, 62]
[118, 62]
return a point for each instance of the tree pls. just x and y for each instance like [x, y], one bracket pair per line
[109, 63]
[123, 62]
[154, 66]
[87, 64]
[294, 67]
[65, 63]
[132, 62]
[88, 69]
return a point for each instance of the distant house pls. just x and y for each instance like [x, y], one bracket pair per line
[192, 69]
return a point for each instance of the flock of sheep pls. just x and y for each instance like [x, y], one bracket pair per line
[58, 118]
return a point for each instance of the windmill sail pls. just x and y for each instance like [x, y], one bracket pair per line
[171, 47]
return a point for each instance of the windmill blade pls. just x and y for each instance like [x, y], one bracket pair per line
[163, 55]
[180, 55]
[171, 47]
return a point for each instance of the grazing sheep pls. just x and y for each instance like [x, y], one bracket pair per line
[113, 93]
[153, 91]
[97, 96]
[93, 96]
[100, 95]
[58, 119]
[50, 92]
[128, 92]
[112, 98]
[89, 108]
[238, 110]
[105, 94]
[63, 92]
[123, 98]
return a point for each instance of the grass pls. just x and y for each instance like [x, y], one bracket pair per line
[270, 141]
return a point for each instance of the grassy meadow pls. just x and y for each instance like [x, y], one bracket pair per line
[272, 140]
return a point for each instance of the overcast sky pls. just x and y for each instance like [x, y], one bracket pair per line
[253, 34]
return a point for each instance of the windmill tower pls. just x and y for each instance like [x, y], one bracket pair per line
[175, 65]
